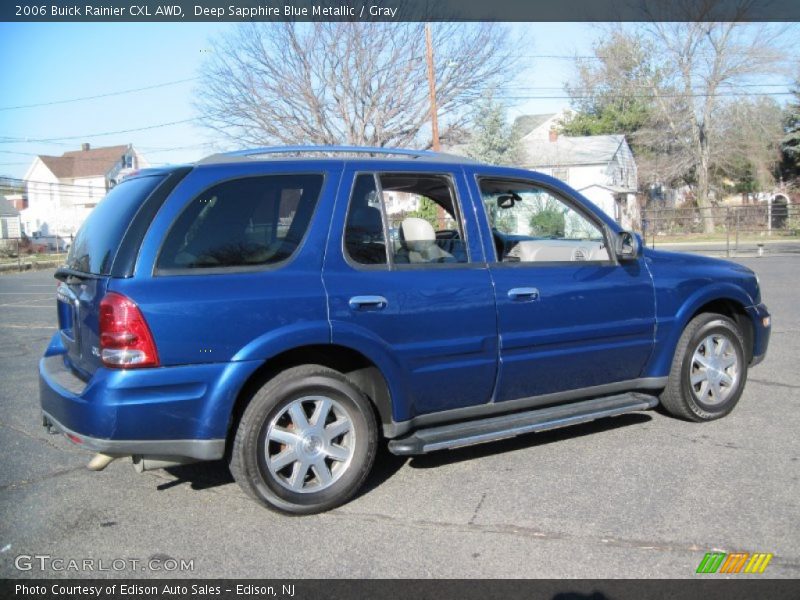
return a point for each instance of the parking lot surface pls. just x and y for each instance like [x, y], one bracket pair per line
[642, 495]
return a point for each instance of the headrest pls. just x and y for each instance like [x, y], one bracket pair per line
[366, 218]
[417, 233]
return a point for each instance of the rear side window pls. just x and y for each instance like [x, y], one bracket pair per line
[99, 237]
[248, 222]
[417, 212]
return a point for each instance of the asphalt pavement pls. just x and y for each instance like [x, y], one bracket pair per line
[642, 495]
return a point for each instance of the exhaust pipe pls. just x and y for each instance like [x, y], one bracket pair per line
[152, 463]
[100, 461]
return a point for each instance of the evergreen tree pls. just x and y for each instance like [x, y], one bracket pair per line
[493, 140]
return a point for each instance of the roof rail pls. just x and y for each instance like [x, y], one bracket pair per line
[268, 150]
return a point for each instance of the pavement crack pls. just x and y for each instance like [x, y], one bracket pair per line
[477, 508]
[30, 435]
[792, 563]
[790, 386]
[703, 439]
[54, 474]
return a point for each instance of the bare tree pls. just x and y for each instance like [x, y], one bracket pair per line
[699, 64]
[748, 145]
[354, 83]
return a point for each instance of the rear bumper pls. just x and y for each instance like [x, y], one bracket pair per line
[762, 327]
[180, 411]
[199, 449]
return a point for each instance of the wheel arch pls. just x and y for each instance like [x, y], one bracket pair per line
[723, 299]
[359, 368]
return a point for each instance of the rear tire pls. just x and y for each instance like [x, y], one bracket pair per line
[708, 371]
[306, 441]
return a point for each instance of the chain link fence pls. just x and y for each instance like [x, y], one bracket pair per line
[19, 254]
[729, 230]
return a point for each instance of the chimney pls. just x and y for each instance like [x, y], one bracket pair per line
[85, 146]
[554, 135]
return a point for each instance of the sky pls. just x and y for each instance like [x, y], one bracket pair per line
[46, 63]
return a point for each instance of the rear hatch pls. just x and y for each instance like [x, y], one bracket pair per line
[88, 270]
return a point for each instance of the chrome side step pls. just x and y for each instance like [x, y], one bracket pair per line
[468, 433]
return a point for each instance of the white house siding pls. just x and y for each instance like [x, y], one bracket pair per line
[602, 198]
[44, 200]
[576, 176]
[601, 167]
[622, 170]
[58, 206]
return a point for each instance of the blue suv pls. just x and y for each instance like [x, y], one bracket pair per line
[288, 308]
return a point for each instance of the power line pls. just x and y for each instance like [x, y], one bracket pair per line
[8, 140]
[51, 183]
[641, 96]
[106, 95]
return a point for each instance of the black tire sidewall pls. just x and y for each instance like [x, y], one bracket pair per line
[728, 328]
[266, 406]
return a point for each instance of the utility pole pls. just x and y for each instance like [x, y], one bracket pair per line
[432, 89]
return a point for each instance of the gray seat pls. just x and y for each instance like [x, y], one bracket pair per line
[418, 243]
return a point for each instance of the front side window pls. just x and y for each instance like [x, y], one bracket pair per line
[404, 219]
[247, 222]
[531, 224]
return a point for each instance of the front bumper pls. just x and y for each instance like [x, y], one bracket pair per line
[762, 328]
[180, 411]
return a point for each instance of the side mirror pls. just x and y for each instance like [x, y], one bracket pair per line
[629, 246]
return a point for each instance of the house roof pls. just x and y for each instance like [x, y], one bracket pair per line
[569, 151]
[615, 189]
[524, 124]
[84, 163]
[7, 209]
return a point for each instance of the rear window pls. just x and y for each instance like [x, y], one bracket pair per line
[99, 237]
[247, 222]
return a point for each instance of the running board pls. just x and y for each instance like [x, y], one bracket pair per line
[473, 432]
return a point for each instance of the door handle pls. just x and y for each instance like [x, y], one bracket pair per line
[523, 294]
[368, 303]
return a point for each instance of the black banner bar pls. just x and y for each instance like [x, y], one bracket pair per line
[702, 588]
[398, 10]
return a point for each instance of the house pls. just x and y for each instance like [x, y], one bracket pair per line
[601, 167]
[9, 220]
[62, 190]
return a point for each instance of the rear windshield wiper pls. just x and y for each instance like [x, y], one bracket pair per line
[65, 273]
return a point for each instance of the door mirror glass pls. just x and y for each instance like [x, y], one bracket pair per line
[629, 246]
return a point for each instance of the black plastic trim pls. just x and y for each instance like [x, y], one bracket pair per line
[507, 426]
[645, 384]
[212, 449]
[128, 252]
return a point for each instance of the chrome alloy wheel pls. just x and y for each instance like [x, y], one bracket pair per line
[309, 444]
[714, 372]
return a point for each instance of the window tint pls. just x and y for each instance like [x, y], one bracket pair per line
[364, 240]
[423, 218]
[531, 224]
[421, 214]
[244, 222]
[99, 237]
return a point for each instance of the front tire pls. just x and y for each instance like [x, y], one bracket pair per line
[708, 371]
[306, 441]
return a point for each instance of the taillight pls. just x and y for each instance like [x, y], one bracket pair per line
[125, 338]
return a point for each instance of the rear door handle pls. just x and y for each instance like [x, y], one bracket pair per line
[368, 303]
[523, 294]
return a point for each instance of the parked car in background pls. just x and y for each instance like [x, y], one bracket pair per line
[50, 243]
[265, 306]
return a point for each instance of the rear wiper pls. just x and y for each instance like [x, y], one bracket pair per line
[65, 274]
